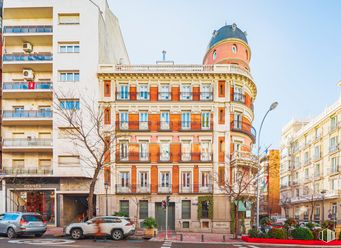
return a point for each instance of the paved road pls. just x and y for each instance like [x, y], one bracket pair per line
[89, 243]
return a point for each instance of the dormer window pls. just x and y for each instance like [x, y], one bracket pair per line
[214, 54]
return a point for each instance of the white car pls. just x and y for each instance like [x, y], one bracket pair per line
[114, 226]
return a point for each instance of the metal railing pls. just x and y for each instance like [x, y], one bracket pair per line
[244, 156]
[333, 148]
[133, 157]
[28, 57]
[246, 128]
[11, 114]
[164, 96]
[239, 97]
[27, 86]
[164, 125]
[28, 142]
[29, 29]
[26, 171]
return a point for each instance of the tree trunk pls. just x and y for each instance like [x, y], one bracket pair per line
[236, 220]
[92, 191]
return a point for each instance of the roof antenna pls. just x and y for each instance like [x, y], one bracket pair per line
[164, 55]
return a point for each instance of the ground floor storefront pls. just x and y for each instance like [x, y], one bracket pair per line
[196, 213]
[58, 200]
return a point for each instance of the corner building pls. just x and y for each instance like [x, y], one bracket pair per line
[182, 130]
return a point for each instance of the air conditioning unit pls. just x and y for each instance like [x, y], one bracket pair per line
[28, 74]
[27, 47]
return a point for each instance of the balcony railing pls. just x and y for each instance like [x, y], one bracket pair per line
[133, 157]
[195, 157]
[28, 142]
[333, 148]
[244, 158]
[13, 114]
[238, 97]
[165, 188]
[243, 127]
[164, 96]
[190, 96]
[28, 57]
[136, 126]
[26, 171]
[27, 86]
[28, 29]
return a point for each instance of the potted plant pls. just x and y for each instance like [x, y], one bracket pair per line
[149, 226]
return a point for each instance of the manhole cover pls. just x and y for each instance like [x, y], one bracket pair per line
[42, 241]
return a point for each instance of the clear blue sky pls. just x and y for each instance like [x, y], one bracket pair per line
[296, 47]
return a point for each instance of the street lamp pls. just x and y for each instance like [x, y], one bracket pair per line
[323, 192]
[272, 107]
[106, 186]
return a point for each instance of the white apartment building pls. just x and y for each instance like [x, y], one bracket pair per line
[310, 171]
[51, 49]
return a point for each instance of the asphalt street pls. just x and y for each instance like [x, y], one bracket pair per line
[45, 242]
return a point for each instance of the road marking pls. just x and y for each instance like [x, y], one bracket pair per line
[253, 246]
[167, 244]
[42, 241]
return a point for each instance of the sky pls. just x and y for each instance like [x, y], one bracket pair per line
[296, 47]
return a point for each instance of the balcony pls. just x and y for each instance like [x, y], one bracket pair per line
[196, 96]
[165, 96]
[333, 148]
[196, 188]
[26, 117]
[333, 169]
[195, 157]
[135, 157]
[28, 30]
[163, 126]
[245, 128]
[165, 188]
[15, 62]
[244, 159]
[9, 171]
[27, 145]
[132, 189]
[13, 90]
[24, 57]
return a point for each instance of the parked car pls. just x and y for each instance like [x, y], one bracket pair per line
[16, 224]
[114, 226]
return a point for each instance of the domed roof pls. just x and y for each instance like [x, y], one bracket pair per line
[227, 32]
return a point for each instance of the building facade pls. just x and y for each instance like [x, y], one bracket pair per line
[310, 173]
[183, 130]
[50, 57]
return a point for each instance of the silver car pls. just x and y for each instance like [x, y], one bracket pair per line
[15, 224]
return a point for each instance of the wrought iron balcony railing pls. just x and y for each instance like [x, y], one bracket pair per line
[136, 126]
[133, 157]
[243, 127]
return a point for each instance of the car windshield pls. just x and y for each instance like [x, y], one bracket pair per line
[32, 217]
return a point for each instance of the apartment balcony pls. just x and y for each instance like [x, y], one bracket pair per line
[165, 96]
[26, 117]
[124, 189]
[240, 98]
[195, 188]
[196, 96]
[245, 128]
[333, 193]
[195, 157]
[14, 90]
[244, 159]
[163, 126]
[10, 171]
[27, 30]
[333, 148]
[27, 145]
[334, 169]
[133, 157]
[15, 62]
[165, 188]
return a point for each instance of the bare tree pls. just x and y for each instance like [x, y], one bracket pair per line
[84, 127]
[241, 187]
[285, 203]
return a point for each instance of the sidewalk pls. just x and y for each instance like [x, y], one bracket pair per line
[192, 237]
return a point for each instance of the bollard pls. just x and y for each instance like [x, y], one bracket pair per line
[224, 238]
[202, 237]
[181, 237]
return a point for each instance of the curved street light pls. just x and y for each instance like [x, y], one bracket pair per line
[272, 107]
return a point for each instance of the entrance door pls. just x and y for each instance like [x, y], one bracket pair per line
[160, 216]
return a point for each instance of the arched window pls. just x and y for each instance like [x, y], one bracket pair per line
[214, 55]
[234, 48]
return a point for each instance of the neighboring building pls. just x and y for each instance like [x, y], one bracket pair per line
[51, 50]
[310, 167]
[186, 128]
[270, 184]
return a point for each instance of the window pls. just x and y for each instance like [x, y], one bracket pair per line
[221, 88]
[107, 89]
[206, 92]
[186, 93]
[144, 154]
[334, 211]
[123, 93]
[18, 163]
[317, 170]
[124, 207]
[214, 55]
[44, 163]
[333, 144]
[165, 121]
[234, 48]
[69, 104]
[186, 180]
[143, 179]
[333, 123]
[306, 173]
[124, 150]
[69, 76]
[205, 120]
[107, 116]
[237, 146]
[164, 93]
[317, 152]
[186, 150]
[333, 184]
[143, 93]
[238, 120]
[69, 47]
[124, 120]
[164, 179]
[68, 18]
[318, 132]
[186, 120]
[204, 209]
[164, 151]
[238, 94]
[186, 209]
[334, 165]
[306, 158]
[317, 188]
[143, 117]
[221, 115]
[205, 179]
[143, 211]
[124, 178]
[297, 192]
[205, 148]
[68, 160]
[221, 176]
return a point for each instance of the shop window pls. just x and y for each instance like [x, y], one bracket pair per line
[143, 211]
[186, 209]
[124, 207]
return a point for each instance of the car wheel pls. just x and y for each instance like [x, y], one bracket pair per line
[11, 233]
[117, 234]
[76, 233]
[38, 235]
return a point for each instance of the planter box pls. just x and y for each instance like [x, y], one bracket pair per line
[149, 233]
[290, 241]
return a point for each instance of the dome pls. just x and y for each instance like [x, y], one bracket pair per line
[227, 32]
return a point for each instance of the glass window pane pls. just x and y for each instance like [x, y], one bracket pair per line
[143, 209]
[186, 209]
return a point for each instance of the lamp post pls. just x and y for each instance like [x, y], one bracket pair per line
[323, 192]
[272, 107]
[106, 186]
